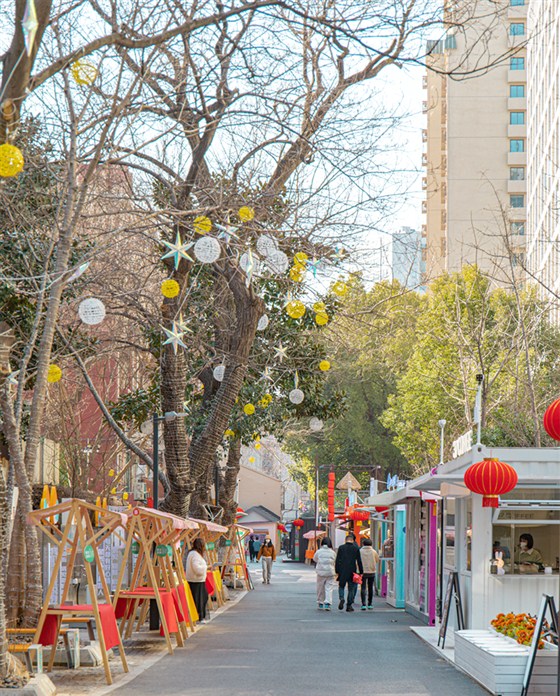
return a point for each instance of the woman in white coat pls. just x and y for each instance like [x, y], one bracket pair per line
[324, 559]
[195, 573]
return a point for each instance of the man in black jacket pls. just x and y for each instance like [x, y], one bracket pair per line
[348, 561]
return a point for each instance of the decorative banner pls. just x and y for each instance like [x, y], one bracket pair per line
[266, 245]
[207, 249]
[11, 160]
[249, 409]
[84, 72]
[263, 323]
[315, 424]
[54, 374]
[324, 366]
[278, 262]
[91, 311]
[161, 550]
[88, 554]
[296, 396]
[219, 372]
[202, 224]
[135, 548]
[170, 288]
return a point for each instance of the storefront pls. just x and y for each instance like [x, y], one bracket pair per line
[476, 537]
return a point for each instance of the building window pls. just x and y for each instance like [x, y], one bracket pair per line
[517, 64]
[518, 228]
[516, 145]
[516, 91]
[517, 201]
[517, 118]
[516, 3]
[517, 173]
[517, 29]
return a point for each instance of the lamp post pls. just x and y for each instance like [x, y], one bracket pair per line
[441, 424]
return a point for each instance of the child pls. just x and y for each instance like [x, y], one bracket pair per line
[324, 559]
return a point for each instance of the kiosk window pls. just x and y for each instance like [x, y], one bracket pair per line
[450, 532]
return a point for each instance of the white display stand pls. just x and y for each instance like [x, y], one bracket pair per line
[498, 663]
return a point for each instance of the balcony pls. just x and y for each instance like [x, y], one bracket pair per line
[517, 186]
[517, 76]
[517, 41]
[517, 159]
[517, 131]
[517, 103]
[518, 13]
[517, 214]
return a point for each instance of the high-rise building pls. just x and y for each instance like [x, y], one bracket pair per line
[475, 140]
[543, 136]
[407, 258]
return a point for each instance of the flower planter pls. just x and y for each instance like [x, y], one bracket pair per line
[498, 663]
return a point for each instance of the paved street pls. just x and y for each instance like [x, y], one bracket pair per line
[276, 643]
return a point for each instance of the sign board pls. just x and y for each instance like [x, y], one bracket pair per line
[88, 554]
[135, 547]
[210, 546]
[453, 588]
[462, 445]
[161, 550]
[228, 542]
[553, 630]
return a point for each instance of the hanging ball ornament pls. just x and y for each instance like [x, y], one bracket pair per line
[295, 309]
[258, 446]
[219, 372]
[91, 311]
[54, 374]
[229, 433]
[340, 288]
[315, 424]
[296, 275]
[319, 307]
[324, 366]
[111, 472]
[125, 496]
[296, 396]
[278, 262]
[170, 288]
[246, 213]
[321, 318]
[301, 257]
[207, 249]
[266, 246]
[84, 72]
[202, 224]
[249, 409]
[11, 160]
[263, 323]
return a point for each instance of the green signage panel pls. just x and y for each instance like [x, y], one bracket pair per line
[210, 546]
[161, 550]
[169, 550]
[228, 542]
[135, 547]
[88, 553]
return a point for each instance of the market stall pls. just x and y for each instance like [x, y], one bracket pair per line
[210, 533]
[234, 565]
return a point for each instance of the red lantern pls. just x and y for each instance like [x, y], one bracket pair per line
[358, 515]
[381, 508]
[281, 527]
[551, 420]
[298, 523]
[490, 478]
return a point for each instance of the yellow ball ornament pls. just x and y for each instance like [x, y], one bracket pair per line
[229, 433]
[295, 309]
[113, 491]
[296, 275]
[321, 318]
[246, 213]
[11, 160]
[125, 496]
[251, 459]
[54, 374]
[249, 409]
[324, 366]
[170, 288]
[84, 72]
[301, 257]
[340, 288]
[258, 446]
[319, 307]
[111, 472]
[202, 224]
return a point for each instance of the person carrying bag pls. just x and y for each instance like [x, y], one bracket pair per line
[370, 559]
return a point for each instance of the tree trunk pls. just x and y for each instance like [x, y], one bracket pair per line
[4, 522]
[229, 484]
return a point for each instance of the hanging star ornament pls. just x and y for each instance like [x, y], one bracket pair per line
[281, 351]
[182, 325]
[250, 267]
[29, 25]
[266, 375]
[314, 266]
[177, 251]
[174, 337]
[226, 232]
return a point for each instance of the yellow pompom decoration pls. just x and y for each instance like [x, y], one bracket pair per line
[202, 224]
[258, 446]
[321, 318]
[249, 409]
[113, 491]
[229, 433]
[301, 257]
[295, 309]
[54, 374]
[83, 72]
[125, 496]
[251, 459]
[246, 214]
[324, 365]
[11, 160]
[266, 400]
[296, 275]
[319, 307]
[170, 288]
[340, 288]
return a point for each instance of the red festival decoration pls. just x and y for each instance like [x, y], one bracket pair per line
[298, 523]
[490, 478]
[381, 508]
[358, 515]
[331, 495]
[281, 527]
[551, 420]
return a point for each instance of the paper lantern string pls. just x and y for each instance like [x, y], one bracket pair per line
[174, 337]
[29, 25]
[177, 251]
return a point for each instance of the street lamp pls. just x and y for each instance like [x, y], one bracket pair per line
[441, 424]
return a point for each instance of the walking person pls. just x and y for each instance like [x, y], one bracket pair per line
[252, 552]
[195, 574]
[324, 558]
[256, 546]
[370, 559]
[348, 561]
[267, 553]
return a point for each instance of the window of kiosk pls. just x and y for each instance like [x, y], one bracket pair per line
[449, 532]
[527, 511]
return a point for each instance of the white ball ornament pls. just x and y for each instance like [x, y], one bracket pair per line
[266, 246]
[219, 372]
[263, 323]
[278, 262]
[296, 396]
[207, 249]
[91, 311]
[315, 424]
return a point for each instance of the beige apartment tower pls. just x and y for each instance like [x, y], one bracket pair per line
[475, 140]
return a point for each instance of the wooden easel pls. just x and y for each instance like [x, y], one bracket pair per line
[77, 533]
[154, 575]
[235, 555]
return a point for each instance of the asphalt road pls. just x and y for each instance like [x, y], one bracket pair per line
[275, 642]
